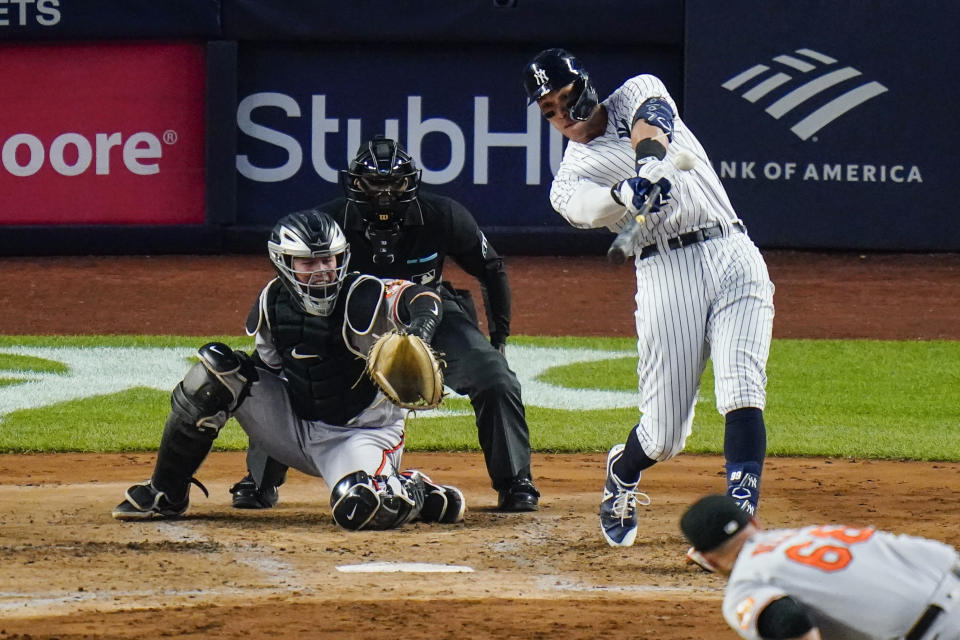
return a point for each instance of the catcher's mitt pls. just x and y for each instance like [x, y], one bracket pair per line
[407, 370]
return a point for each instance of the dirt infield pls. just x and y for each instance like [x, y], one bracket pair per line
[70, 571]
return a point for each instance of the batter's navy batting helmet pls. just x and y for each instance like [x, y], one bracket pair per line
[554, 69]
[310, 234]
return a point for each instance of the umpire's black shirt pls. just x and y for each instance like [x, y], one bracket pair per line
[434, 227]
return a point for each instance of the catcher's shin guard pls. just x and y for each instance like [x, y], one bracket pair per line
[183, 449]
[361, 502]
[199, 407]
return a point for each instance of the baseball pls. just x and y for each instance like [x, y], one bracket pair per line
[685, 161]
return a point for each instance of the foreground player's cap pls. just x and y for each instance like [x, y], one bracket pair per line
[712, 520]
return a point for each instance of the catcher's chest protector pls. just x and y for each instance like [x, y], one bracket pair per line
[325, 379]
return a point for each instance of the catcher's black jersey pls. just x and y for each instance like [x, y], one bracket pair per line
[324, 374]
[435, 227]
[325, 379]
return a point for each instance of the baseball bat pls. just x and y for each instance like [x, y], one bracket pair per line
[622, 245]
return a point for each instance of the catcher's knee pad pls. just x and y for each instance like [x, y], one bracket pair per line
[361, 502]
[213, 387]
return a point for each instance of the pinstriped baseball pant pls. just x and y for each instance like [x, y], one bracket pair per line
[713, 299]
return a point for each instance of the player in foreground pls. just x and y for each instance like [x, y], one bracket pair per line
[303, 396]
[702, 286]
[828, 581]
[396, 230]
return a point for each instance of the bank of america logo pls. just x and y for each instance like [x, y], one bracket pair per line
[759, 81]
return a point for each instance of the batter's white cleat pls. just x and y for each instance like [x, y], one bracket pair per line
[618, 509]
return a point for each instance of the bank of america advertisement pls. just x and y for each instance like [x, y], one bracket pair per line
[831, 124]
[97, 134]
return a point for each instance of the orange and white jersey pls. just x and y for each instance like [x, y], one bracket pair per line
[855, 582]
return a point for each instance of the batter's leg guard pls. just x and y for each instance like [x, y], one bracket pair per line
[743, 485]
[359, 501]
[744, 446]
[441, 503]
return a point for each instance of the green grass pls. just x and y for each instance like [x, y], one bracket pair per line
[858, 398]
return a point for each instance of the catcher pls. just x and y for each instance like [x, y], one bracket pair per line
[307, 395]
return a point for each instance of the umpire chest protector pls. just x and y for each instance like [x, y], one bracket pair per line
[326, 381]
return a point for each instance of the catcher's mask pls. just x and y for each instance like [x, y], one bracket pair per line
[382, 181]
[554, 69]
[322, 253]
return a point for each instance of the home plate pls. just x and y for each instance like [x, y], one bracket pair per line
[404, 567]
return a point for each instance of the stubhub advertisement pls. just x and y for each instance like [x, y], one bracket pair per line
[302, 114]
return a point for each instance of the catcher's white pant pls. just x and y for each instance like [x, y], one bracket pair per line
[713, 298]
[372, 441]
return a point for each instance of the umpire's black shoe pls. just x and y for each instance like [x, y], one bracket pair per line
[246, 495]
[521, 495]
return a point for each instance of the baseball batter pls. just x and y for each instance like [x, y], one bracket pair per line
[826, 581]
[702, 286]
[303, 396]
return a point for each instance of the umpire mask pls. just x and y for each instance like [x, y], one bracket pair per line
[382, 181]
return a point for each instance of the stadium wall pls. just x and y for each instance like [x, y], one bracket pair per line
[189, 127]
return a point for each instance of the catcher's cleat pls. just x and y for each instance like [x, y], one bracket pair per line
[246, 495]
[618, 509]
[442, 503]
[145, 502]
[521, 495]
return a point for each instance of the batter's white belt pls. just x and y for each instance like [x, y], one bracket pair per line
[945, 598]
[693, 237]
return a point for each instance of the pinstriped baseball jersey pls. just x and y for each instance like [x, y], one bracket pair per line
[854, 583]
[697, 197]
[711, 299]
